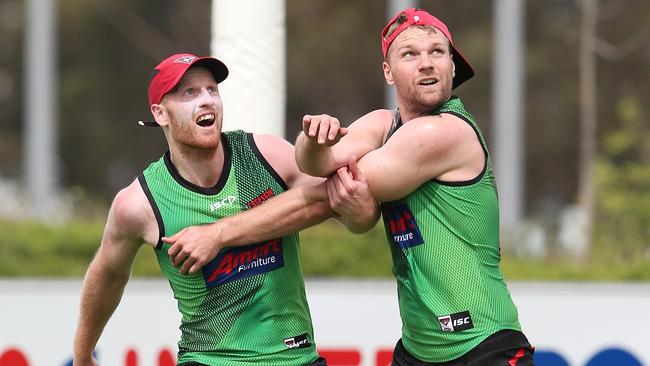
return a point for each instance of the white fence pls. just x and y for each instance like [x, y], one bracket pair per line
[356, 323]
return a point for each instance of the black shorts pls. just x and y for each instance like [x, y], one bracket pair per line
[319, 362]
[503, 348]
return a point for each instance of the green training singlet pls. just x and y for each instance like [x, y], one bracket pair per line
[248, 305]
[444, 239]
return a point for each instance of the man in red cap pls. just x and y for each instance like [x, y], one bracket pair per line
[244, 305]
[428, 164]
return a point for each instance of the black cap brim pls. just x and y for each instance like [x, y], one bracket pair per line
[216, 67]
[464, 70]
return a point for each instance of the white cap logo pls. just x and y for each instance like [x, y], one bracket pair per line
[185, 60]
[416, 18]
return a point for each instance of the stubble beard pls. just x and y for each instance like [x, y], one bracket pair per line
[186, 134]
[424, 103]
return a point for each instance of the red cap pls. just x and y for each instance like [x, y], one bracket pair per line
[414, 16]
[167, 74]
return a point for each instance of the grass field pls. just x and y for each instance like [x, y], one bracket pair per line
[327, 250]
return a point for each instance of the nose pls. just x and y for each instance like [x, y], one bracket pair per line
[206, 98]
[425, 61]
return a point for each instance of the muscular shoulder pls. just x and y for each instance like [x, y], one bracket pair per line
[445, 141]
[280, 154]
[131, 214]
[444, 129]
[272, 147]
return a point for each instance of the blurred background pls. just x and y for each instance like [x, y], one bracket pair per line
[575, 122]
[562, 93]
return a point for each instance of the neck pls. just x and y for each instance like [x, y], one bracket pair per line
[408, 111]
[407, 115]
[201, 167]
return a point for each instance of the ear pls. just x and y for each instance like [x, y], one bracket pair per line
[160, 114]
[453, 66]
[388, 74]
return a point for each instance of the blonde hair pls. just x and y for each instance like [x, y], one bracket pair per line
[403, 18]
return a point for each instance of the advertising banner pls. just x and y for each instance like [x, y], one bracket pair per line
[355, 323]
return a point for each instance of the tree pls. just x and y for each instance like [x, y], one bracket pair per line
[592, 46]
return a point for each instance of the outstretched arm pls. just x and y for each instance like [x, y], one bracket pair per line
[287, 213]
[305, 204]
[323, 146]
[108, 273]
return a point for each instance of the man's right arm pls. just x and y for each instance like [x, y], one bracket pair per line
[323, 147]
[304, 204]
[109, 271]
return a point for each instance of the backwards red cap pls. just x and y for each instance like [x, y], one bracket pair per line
[167, 74]
[414, 16]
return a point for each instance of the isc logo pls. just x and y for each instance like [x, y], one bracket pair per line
[456, 322]
[300, 341]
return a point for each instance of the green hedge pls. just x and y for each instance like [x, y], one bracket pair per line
[36, 249]
[327, 250]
